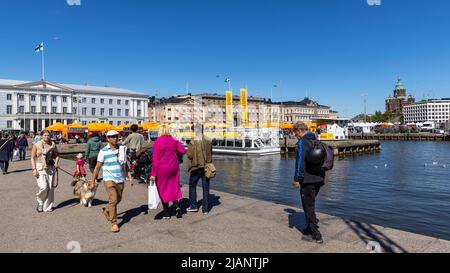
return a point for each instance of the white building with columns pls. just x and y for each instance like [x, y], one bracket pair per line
[32, 106]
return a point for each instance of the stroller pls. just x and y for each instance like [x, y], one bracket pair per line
[142, 164]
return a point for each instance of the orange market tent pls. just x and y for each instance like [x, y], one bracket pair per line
[99, 127]
[57, 127]
[121, 127]
[286, 126]
[150, 126]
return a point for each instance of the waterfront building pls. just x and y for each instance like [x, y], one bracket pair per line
[32, 106]
[395, 105]
[306, 110]
[181, 109]
[210, 108]
[428, 110]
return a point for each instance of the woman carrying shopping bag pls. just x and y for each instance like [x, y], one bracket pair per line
[166, 170]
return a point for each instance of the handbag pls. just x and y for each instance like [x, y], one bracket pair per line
[153, 196]
[210, 169]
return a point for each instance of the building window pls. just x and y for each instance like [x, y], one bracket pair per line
[127, 112]
[110, 112]
[111, 122]
[64, 110]
[44, 109]
[33, 98]
[83, 111]
[119, 123]
[53, 98]
[93, 100]
[8, 97]
[84, 100]
[43, 98]
[33, 109]
[21, 109]
[9, 109]
[64, 99]
[110, 101]
[9, 124]
[126, 102]
[119, 112]
[102, 101]
[139, 113]
[74, 110]
[54, 109]
[21, 97]
[119, 102]
[102, 111]
[93, 111]
[75, 100]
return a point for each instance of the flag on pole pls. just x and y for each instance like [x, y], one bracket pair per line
[39, 48]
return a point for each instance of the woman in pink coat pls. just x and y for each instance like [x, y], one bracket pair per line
[166, 170]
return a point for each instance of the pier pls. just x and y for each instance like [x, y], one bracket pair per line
[235, 224]
[402, 137]
[340, 147]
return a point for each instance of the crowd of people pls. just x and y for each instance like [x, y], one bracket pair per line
[159, 162]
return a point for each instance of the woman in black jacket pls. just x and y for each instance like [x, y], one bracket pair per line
[6, 148]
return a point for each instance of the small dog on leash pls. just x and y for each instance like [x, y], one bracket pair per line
[83, 191]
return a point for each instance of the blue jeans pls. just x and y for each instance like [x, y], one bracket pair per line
[193, 180]
[22, 152]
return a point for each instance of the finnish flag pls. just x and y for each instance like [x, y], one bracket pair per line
[39, 48]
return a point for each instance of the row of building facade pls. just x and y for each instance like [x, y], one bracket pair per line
[435, 110]
[32, 106]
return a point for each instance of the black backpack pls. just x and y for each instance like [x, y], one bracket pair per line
[328, 161]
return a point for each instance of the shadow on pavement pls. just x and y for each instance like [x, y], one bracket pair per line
[130, 214]
[296, 219]
[75, 201]
[20, 171]
[368, 233]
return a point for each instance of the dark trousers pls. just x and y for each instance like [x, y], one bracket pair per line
[193, 180]
[22, 152]
[4, 165]
[309, 193]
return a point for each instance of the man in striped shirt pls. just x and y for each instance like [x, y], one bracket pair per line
[114, 176]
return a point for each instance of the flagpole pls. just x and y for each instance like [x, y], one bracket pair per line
[43, 65]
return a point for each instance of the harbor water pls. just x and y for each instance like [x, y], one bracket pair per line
[406, 186]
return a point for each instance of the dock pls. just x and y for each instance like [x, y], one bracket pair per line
[235, 224]
[401, 137]
[340, 147]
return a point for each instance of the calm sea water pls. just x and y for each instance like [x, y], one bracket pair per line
[406, 186]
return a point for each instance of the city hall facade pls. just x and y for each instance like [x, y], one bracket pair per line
[32, 106]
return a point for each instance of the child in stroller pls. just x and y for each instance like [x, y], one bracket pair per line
[143, 163]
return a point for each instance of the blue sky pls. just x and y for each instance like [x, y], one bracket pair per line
[333, 50]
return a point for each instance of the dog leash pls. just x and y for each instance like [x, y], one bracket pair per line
[64, 171]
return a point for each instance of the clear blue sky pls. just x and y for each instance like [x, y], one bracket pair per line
[336, 50]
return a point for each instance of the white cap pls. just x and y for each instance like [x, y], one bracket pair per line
[112, 133]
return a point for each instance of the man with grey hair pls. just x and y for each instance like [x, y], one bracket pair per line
[309, 177]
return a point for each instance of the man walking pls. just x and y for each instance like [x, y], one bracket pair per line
[310, 177]
[22, 145]
[134, 141]
[199, 155]
[112, 160]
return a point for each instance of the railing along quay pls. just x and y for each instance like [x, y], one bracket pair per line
[340, 147]
[401, 137]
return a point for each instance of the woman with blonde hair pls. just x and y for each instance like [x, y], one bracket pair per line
[44, 163]
[166, 170]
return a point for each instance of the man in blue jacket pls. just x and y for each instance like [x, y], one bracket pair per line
[309, 178]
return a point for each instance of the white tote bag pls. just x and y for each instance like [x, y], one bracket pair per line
[16, 155]
[153, 196]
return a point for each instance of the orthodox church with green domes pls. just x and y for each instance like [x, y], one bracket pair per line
[394, 105]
